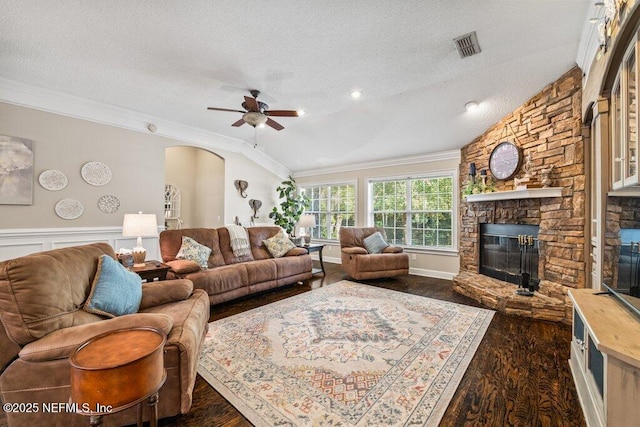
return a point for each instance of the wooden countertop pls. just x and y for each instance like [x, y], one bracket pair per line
[615, 330]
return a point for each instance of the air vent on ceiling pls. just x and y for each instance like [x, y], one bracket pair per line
[467, 44]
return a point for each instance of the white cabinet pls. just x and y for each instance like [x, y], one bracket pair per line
[605, 359]
[624, 120]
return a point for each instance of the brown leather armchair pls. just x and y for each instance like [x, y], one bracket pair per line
[359, 264]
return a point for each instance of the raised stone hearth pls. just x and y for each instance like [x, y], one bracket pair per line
[551, 302]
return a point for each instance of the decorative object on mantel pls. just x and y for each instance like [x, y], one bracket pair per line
[69, 209]
[96, 173]
[255, 205]
[16, 171]
[479, 186]
[53, 180]
[241, 186]
[529, 172]
[545, 176]
[108, 204]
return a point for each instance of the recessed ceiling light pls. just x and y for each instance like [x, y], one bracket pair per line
[355, 94]
[471, 106]
[594, 20]
[301, 113]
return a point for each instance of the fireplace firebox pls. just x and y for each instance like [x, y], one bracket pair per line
[509, 252]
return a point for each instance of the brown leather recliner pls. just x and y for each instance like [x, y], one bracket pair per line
[359, 264]
[41, 298]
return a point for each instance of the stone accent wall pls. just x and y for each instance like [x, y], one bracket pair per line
[549, 126]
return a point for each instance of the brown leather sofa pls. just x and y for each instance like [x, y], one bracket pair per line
[41, 298]
[359, 264]
[227, 276]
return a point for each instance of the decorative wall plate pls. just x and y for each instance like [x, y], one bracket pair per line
[69, 208]
[53, 180]
[96, 173]
[108, 204]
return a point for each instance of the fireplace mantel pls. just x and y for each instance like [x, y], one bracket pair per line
[530, 193]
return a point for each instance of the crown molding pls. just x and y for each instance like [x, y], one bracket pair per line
[21, 94]
[397, 161]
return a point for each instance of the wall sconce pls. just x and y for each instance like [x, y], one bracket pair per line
[241, 186]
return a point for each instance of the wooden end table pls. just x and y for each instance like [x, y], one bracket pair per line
[118, 370]
[152, 270]
[316, 247]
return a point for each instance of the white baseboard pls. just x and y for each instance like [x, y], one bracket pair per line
[415, 271]
[15, 243]
[432, 273]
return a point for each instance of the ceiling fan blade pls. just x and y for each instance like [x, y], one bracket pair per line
[224, 109]
[282, 113]
[274, 124]
[252, 104]
[238, 123]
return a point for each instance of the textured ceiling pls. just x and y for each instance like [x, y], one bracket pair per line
[173, 59]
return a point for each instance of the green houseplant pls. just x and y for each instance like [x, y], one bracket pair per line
[291, 207]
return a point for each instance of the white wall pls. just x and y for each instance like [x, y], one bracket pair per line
[199, 175]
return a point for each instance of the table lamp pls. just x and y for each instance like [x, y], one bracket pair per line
[139, 225]
[307, 221]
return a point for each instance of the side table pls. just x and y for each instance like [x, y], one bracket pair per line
[316, 247]
[118, 370]
[152, 270]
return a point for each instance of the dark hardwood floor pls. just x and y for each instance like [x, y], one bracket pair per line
[518, 377]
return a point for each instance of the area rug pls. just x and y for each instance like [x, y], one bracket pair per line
[346, 354]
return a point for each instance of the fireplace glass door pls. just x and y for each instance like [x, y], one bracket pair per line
[509, 250]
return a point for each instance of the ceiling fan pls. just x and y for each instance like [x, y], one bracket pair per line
[257, 113]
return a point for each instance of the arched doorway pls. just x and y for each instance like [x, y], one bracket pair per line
[199, 176]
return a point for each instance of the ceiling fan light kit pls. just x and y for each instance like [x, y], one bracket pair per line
[257, 113]
[254, 118]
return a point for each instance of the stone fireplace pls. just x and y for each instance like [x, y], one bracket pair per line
[549, 128]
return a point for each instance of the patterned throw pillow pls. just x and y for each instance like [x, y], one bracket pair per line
[194, 251]
[375, 243]
[115, 291]
[279, 244]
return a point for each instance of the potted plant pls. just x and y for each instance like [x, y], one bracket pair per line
[291, 207]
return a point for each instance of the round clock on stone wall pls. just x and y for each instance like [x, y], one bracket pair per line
[505, 160]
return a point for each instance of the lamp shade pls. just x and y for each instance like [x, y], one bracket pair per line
[307, 221]
[140, 225]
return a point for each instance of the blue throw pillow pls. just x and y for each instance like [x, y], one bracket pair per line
[115, 290]
[375, 243]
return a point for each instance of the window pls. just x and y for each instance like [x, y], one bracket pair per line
[414, 211]
[333, 205]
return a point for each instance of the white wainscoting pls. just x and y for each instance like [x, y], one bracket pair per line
[19, 242]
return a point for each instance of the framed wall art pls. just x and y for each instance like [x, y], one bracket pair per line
[16, 171]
